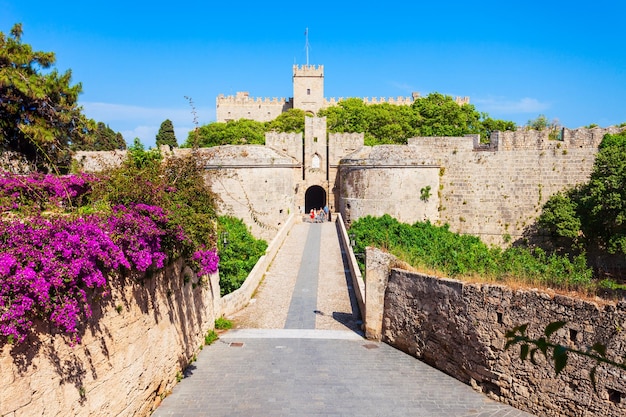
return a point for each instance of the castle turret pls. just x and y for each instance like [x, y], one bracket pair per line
[308, 87]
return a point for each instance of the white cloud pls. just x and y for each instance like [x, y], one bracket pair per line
[503, 106]
[144, 122]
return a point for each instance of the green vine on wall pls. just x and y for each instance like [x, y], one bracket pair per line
[559, 354]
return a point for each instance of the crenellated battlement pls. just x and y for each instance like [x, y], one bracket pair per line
[530, 139]
[398, 101]
[522, 139]
[308, 71]
[243, 98]
[242, 106]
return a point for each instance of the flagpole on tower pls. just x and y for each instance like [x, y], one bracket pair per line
[306, 45]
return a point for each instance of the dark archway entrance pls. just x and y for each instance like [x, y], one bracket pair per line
[314, 198]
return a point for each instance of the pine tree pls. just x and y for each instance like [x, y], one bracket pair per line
[166, 134]
[39, 115]
[103, 138]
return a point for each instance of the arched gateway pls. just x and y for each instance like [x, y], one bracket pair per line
[314, 198]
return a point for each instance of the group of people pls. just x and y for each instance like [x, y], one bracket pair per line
[320, 216]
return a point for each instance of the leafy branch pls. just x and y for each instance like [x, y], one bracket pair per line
[557, 352]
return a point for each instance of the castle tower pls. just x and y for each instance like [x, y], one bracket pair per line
[308, 87]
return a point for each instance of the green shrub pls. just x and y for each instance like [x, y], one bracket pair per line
[222, 323]
[424, 245]
[239, 255]
[210, 337]
[176, 184]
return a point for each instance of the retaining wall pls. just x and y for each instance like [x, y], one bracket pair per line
[459, 328]
[131, 351]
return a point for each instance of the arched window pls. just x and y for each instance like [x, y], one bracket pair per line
[316, 161]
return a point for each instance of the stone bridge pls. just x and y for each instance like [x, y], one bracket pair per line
[298, 350]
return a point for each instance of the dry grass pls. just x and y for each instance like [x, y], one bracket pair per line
[515, 284]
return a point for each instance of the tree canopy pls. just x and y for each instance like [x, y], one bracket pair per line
[433, 115]
[39, 114]
[380, 123]
[384, 123]
[235, 132]
[103, 138]
[593, 215]
[166, 134]
[290, 121]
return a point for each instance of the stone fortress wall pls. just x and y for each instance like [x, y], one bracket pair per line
[499, 190]
[494, 191]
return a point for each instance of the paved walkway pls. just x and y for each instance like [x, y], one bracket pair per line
[297, 351]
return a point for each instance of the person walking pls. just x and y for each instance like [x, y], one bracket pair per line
[326, 212]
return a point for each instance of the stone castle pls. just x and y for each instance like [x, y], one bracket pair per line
[494, 191]
[308, 95]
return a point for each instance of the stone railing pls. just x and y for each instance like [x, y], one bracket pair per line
[238, 299]
[357, 280]
[459, 328]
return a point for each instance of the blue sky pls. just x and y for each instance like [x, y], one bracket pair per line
[137, 60]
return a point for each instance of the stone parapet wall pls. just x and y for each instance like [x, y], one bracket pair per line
[358, 284]
[238, 299]
[95, 161]
[524, 139]
[289, 143]
[459, 328]
[131, 351]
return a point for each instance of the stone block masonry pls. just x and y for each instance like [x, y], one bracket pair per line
[459, 328]
[242, 106]
[494, 191]
[130, 353]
